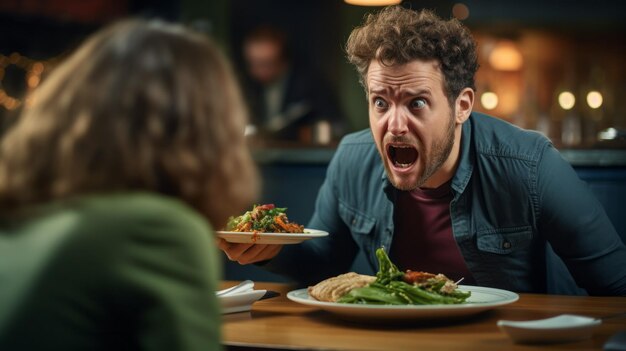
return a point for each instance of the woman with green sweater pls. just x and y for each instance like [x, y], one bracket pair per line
[110, 184]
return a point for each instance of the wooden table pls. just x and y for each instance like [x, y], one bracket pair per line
[279, 323]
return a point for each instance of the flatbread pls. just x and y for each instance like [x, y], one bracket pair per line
[331, 289]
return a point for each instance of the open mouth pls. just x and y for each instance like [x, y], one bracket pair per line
[402, 156]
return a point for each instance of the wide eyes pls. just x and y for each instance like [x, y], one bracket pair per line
[415, 104]
[418, 103]
[380, 103]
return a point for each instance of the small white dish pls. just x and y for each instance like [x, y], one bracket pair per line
[240, 302]
[246, 285]
[239, 298]
[563, 328]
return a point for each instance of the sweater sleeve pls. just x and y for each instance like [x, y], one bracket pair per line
[112, 272]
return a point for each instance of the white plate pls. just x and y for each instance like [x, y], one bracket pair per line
[482, 299]
[270, 238]
[563, 328]
[240, 302]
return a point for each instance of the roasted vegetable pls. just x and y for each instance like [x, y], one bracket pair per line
[390, 288]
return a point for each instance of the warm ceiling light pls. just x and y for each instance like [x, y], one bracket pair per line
[489, 100]
[506, 57]
[567, 100]
[594, 99]
[460, 11]
[373, 2]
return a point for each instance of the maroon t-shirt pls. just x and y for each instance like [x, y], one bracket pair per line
[423, 239]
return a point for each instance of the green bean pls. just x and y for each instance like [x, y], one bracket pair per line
[387, 271]
[373, 295]
[423, 295]
[390, 289]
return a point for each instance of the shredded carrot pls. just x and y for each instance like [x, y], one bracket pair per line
[280, 222]
[246, 227]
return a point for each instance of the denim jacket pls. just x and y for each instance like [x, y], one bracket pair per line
[512, 195]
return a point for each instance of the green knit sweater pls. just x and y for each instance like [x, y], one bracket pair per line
[109, 272]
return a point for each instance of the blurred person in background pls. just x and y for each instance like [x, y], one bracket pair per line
[442, 188]
[289, 101]
[110, 186]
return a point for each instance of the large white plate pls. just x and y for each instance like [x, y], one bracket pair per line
[270, 238]
[482, 299]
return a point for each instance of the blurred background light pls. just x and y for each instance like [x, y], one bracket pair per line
[594, 99]
[567, 100]
[33, 81]
[489, 100]
[373, 2]
[506, 57]
[460, 11]
[608, 134]
[37, 68]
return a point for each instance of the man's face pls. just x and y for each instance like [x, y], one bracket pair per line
[412, 123]
[264, 60]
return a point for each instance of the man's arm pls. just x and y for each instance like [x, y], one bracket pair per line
[577, 227]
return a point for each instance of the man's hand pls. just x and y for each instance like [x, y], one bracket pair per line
[248, 253]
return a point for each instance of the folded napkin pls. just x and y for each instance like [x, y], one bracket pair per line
[239, 298]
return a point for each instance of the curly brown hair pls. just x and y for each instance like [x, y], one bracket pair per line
[141, 105]
[397, 35]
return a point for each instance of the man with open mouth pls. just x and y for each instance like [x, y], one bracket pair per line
[445, 189]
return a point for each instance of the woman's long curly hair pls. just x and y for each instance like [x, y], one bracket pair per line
[397, 35]
[141, 105]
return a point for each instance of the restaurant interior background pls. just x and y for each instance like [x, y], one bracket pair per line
[555, 66]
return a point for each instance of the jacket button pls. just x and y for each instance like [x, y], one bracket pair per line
[506, 244]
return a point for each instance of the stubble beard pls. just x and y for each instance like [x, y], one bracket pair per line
[440, 152]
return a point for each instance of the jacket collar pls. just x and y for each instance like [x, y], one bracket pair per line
[466, 163]
[388, 188]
